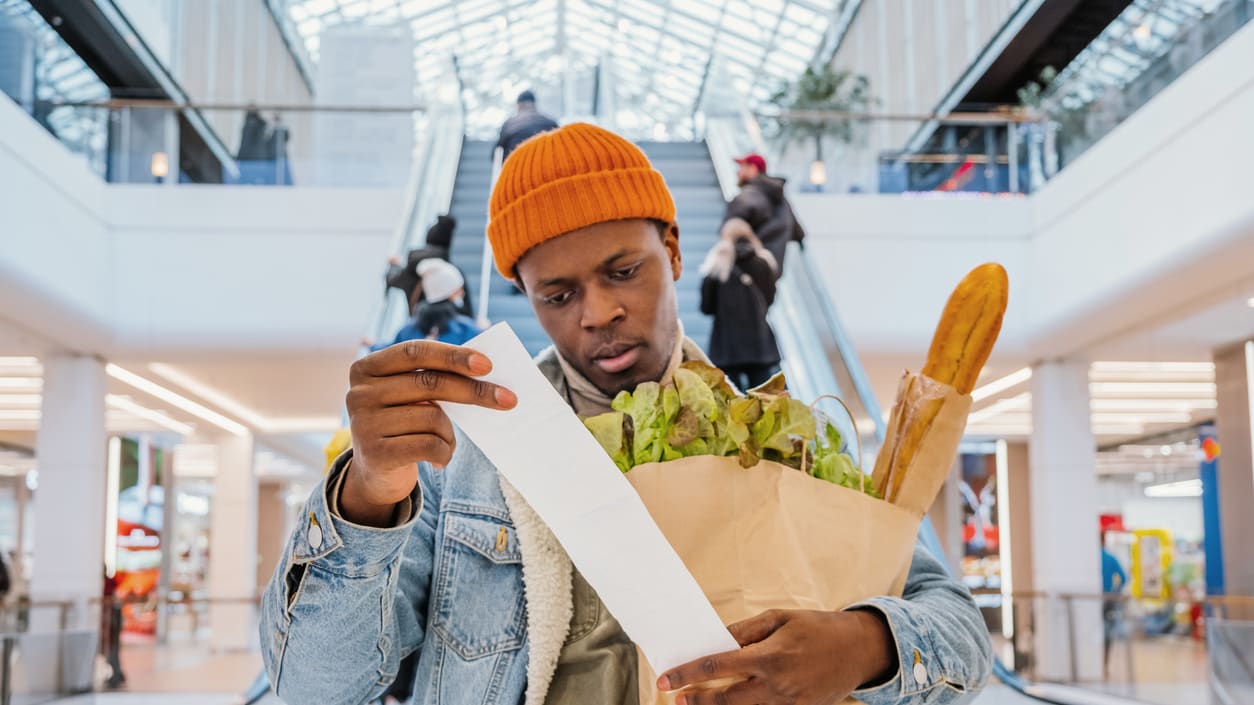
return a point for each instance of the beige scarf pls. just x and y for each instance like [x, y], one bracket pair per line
[588, 400]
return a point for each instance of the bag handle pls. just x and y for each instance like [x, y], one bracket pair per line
[857, 439]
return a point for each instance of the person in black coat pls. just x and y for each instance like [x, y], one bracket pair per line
[404, 277]
[738, 288]
[524, 124]
[762, 204]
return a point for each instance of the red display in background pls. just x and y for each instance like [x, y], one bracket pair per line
[136, 586]
[1111, 522]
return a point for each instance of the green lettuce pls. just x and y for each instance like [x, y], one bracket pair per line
[700, 413]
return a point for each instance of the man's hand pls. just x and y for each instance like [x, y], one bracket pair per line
[799, 657]
[396, 423]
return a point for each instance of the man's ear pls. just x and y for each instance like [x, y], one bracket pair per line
[671, 240]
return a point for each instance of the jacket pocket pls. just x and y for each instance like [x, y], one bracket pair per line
[478, 604]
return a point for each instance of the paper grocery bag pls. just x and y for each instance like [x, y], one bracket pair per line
[772, 537]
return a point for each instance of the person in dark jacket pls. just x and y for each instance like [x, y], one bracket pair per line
[404, 277]
[525, 124]
[738, 288]
[762, 204]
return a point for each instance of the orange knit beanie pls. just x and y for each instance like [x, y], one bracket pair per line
[567, 179]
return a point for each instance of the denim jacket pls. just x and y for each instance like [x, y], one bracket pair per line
[477, 584]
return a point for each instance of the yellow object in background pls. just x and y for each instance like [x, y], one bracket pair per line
[1151, 556]
[340, 442]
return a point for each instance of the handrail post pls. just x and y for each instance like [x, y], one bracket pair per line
[1069, 603]
[1012, 155]
[6, 676]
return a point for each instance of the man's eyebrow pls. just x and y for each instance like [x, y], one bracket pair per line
[605, 264]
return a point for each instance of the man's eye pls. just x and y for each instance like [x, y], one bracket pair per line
[559, 298]
[625, 273]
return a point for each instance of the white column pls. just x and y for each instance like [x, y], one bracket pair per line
[233, 546]
[1234, 381]
[1066, 555]
[70, 450]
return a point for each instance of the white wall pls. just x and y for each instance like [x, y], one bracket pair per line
[1156, 218]
[891, 262]
[112, 270]
[1152, 224]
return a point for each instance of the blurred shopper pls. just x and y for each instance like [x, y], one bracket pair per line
[404, 276]
[111, 630]
[1114, 578]
[738, 288]
[525, 124]
[439, 316]
[762, 204]
[393, 556]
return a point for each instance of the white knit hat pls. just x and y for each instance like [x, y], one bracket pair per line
[440, 280]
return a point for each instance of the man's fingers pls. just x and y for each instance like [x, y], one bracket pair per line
[402, 451]
[755, 629]
[746, 692]
[428, 385]
[395, 421]
[420, 355]
[732, 664]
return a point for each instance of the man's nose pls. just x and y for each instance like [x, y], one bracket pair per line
[601, 309]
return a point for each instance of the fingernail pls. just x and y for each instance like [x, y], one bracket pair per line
[505, 398]
[479, 364]
[681, 700]
[664, 683]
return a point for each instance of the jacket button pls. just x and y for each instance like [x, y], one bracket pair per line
[315, 532]
[920, 673]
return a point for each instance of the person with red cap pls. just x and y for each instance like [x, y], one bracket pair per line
[762, 204]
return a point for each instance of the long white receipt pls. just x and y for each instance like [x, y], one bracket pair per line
[543, 449]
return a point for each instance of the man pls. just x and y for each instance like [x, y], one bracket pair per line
[525, 124]
[414, 542]
[761, 202]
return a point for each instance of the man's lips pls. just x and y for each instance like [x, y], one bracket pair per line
[618, 360]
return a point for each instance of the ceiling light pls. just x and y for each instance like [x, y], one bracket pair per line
[1142, 418]
[124, 403]
[1020, 402]
[1002, 384]
[1152, 389]
[1250, 302]
[19, 362]
[1151, 366]
[32, 384]
[1184, 488]
[248, 415]
[19, 414]
[149, 387]
[1151, 404]
[20, 401]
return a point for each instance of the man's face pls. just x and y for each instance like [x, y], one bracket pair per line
[747, 173]
[605, 294]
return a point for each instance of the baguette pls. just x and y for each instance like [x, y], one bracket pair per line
[962, 343]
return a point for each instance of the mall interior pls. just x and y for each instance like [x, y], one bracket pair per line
[199, 200]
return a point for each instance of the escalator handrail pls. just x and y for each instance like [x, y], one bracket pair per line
[722, 146]
[429, 193]
[485, 267]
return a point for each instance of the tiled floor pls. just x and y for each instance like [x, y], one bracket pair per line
[190, 675]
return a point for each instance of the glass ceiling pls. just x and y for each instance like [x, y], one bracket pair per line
[659, 59]
[1145, 31]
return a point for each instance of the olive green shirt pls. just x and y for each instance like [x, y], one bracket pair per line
[598, 662]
